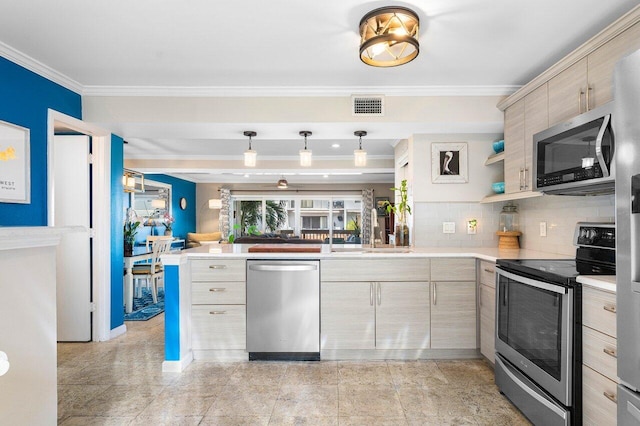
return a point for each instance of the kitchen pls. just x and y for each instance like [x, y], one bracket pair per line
[556, 212]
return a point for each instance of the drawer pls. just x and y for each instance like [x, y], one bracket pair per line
[218, 270]
[599, 352]
[599, 310]
[218, 327]
[367, 269]
[488, 273]
[598, 409]
[453, 269]
[218, 293]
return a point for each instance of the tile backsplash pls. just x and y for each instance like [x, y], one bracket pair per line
[561, 213]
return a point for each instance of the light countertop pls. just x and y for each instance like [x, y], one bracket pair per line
[602, 282]
[358, 252]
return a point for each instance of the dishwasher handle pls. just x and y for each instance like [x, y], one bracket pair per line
[282, 268]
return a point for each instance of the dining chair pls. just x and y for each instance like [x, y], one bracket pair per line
[152, 272]
[152, 238]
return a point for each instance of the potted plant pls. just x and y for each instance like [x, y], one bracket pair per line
[130, 231]
[354, 227]
[401, 209]
[168, 224]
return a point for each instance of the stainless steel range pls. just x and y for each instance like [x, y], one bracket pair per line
[538, 327]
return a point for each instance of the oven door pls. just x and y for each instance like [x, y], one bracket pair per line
[534, 331]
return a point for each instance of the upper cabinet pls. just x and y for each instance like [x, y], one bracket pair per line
[587, 84]
[521, 121]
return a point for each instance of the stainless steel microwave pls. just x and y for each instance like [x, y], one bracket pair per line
[576, 157]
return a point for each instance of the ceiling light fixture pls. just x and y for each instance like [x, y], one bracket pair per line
[360, 155]
[305, 154]
[389, 36]
[283, 184]
[250, 155]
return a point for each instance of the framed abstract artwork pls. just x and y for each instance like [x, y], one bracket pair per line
[449, 162]
[15, 163]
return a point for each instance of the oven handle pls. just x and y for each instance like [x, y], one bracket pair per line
[532, 283]
[603, 165]
[551, 406]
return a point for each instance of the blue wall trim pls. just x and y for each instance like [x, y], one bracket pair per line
[117, 232]
[25, 98]
[172, 313]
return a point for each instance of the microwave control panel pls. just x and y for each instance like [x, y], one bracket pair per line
[574, 175]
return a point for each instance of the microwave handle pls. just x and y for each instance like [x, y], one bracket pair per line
[603, 128]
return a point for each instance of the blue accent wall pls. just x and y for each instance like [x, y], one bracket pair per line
[185, 219]
[25, 98]
[117, 232]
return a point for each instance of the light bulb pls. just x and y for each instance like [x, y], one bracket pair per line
[378, 48]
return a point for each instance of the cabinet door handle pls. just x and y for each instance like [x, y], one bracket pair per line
[491, 271]
[610, 352]
[217, 266]
[611, 396]
[217, 312]
[588, 106]
[520, 176]
[580, 93]
[524, 181]
[610, 308]
[435, 293]
[217, 290]
[379, 294]
[480, 298]
[371, 294]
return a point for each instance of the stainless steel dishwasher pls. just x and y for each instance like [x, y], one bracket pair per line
[283, 309]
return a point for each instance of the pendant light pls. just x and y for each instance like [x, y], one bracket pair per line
[305, 154]
[250, 155]
[282, 183]
[360, 155]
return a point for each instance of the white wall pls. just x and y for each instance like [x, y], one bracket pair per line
[28, 391]
[561, 213]
[481, 177]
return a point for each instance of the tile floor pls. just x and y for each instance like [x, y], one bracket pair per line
[120, 383]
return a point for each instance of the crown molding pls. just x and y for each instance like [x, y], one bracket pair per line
[39, 68]
[292, 157]
[284, 91]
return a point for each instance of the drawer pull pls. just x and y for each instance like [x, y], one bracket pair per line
[217, 266]
[216, 290]
[491, 271]
[610, 308]
[611, 396]
[610, 352]
[217, 312]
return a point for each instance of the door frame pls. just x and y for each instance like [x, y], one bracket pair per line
[101, 213]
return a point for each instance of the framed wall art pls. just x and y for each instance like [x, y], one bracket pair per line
[449, 162]
[381, 206]
[15, 170]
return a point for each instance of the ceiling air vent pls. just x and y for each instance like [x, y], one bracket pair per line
[368, 105]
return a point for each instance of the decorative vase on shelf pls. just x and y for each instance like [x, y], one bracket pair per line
[402, 234]
[168, 232]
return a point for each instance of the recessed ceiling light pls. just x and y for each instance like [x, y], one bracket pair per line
[246, 175]
[325, 176]
[335, 145]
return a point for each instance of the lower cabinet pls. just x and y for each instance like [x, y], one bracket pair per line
[374, 315]
[218, 327]
[453, 315]
[487, 308]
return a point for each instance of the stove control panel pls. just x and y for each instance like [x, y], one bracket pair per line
[598, 235]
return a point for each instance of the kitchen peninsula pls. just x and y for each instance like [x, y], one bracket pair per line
[380, 303]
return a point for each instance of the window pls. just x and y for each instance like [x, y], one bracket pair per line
[326, 218]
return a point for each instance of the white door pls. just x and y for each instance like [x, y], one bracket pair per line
[72, 207]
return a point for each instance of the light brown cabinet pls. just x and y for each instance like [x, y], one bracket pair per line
[522, 120]
[453, 303]
[374, 315]
[218, 305]
[599, 352]
[487, 307]
[588, 83]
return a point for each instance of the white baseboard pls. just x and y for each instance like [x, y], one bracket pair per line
[177, 366]
[118, 331]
